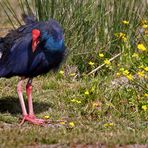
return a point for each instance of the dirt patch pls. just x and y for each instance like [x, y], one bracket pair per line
[87, 146]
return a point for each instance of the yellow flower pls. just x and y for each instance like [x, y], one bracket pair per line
[135, 55]
[125, 22]
[76, 101]
[130, 77]
[140, 73]
[101, 55]
[125, 72]
[62, 122]
[73, 100]
[118, 74]
[108, 125]
[107, 62]
[61, 72]
[121, 69]
[141, 47]
[146, 68]
[124, 39]
[144, 21]
[144, 107]
[141, 67]
[145, 26]
[46, 117]
[71, 124]
[86, 92]
[146, 95]
[91, 63]
[121, 35]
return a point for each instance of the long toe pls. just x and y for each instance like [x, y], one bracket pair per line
[35, 120]
[32, 120]
[23, 120]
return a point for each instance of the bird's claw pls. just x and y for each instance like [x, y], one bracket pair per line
[32, 119]
[46, 123]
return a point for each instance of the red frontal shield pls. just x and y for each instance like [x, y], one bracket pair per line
[35, 39]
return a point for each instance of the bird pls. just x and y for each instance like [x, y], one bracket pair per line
[32, 49]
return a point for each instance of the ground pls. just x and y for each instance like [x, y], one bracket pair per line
[51, 100]
[96, 99]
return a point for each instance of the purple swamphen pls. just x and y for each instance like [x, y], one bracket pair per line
[31, 50]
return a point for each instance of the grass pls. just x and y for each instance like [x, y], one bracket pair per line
[99, 118]
[108, 106]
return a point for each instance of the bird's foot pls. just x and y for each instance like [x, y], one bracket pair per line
[32, 119]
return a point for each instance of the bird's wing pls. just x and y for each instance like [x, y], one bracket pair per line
[11, 38]
[14, 61]
[14, 36]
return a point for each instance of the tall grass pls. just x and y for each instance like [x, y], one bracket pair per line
[90, 26]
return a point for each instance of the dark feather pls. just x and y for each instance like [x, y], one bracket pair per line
[17, 57]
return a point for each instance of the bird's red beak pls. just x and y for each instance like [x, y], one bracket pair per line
[35, 39]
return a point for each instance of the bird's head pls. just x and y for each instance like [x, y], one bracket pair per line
[51, 37]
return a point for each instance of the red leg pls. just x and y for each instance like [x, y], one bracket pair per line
[27, 117]
[21, 99]
[20, 94]
[29, 95]
[31, 117]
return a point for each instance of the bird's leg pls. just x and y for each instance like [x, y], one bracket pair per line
[29, 95]
[27, 117]
[21, 99]
[31, 117]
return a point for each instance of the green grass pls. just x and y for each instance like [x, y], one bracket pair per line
[116, 119]
[109, 106]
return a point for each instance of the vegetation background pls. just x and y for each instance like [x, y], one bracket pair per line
[100, 94]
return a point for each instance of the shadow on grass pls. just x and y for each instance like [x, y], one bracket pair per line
[11, 105]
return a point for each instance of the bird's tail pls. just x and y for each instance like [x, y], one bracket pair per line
[4, 71]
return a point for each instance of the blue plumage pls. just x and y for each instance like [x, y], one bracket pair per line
[17, 58]
[29, 51]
